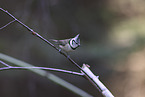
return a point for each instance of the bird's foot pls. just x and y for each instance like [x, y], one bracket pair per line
[68, 56]
[59, 50]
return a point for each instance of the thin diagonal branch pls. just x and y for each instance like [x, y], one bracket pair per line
[16, 19]
[4, 63]
[42, 38]
[7, 24]
[60, 51]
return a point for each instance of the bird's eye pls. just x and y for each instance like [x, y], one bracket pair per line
[73, 41]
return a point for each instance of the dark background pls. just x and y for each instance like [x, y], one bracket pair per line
[112, 36]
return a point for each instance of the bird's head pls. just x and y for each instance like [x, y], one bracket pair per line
[76, 40]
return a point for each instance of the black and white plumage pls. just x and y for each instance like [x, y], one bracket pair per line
[68, 45]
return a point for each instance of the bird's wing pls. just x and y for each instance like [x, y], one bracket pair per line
[61, 42]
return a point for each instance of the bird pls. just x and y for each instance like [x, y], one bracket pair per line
[68, 45]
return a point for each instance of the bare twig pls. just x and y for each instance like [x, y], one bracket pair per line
[42, 68]
[16, 19]
[7, 24]
[46, 74]
[4, 63]
[105, 92]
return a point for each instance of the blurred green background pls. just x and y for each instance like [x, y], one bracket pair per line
[112, 43]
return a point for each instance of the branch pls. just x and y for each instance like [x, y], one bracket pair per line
[7, 24]
[42, 68]
[16, 20]
[105, 92]
[44, 73]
